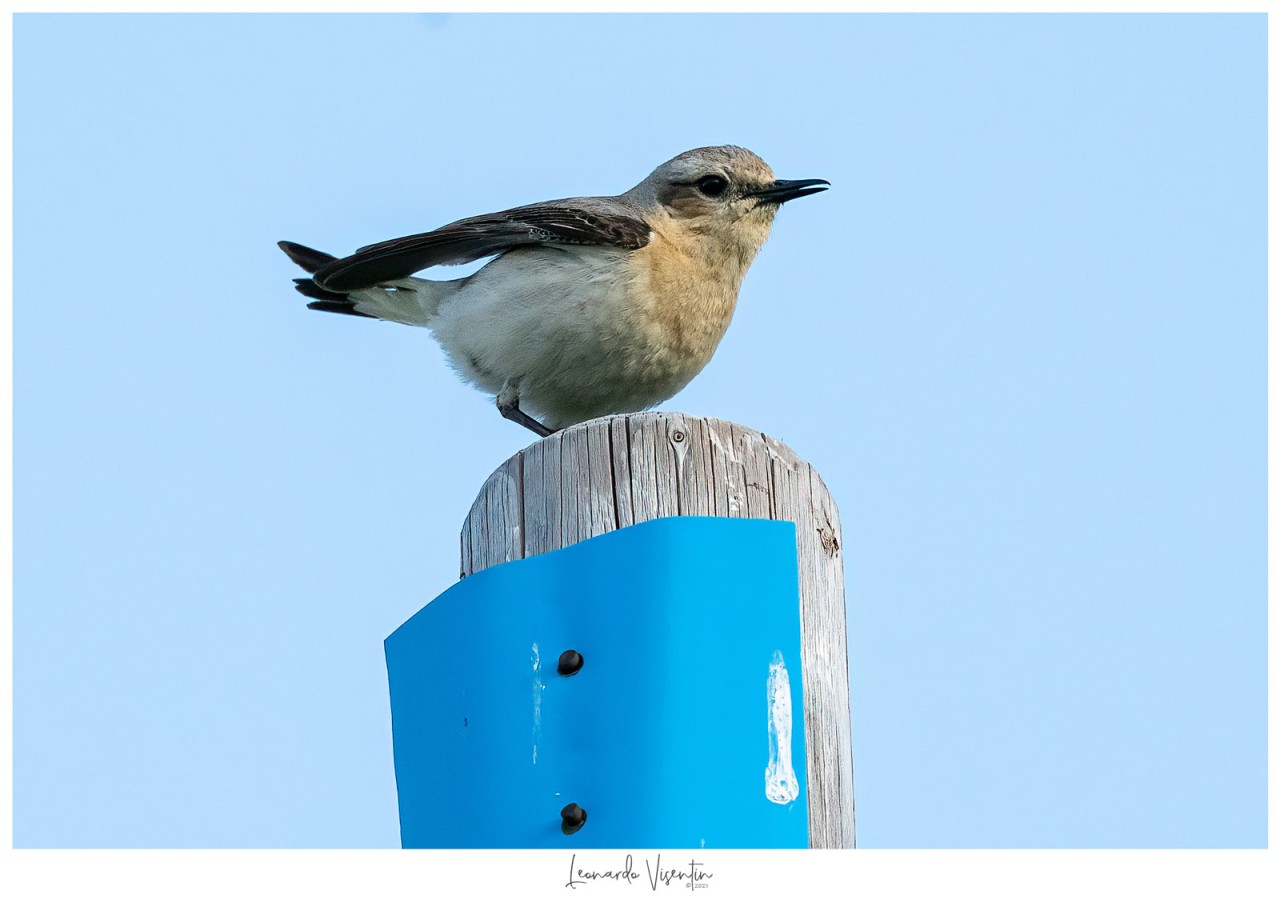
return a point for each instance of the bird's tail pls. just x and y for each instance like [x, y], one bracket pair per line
[410, 301]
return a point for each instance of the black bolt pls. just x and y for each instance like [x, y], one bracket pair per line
[572, 817]
[570, 662]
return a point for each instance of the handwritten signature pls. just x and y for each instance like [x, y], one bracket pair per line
[692, 876]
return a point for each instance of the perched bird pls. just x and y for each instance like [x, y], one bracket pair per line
[592, 306]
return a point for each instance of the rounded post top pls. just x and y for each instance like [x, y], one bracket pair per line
[612, 472]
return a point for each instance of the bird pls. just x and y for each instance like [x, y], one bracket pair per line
[590, 306]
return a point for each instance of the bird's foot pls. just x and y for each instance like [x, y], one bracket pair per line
[509, 407]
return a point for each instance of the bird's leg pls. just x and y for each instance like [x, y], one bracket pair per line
[509, 406]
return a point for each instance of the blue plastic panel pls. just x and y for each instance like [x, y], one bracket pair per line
[674, 733]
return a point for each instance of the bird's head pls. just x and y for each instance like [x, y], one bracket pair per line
[725, 193]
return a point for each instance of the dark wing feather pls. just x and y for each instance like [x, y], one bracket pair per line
[583, 222]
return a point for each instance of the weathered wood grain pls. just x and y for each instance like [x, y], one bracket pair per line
[625, 469]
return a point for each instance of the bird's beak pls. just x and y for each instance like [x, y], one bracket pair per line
[781, 191]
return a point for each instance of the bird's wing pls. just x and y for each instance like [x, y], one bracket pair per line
[581, 221]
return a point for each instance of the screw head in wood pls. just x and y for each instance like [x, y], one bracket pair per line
[678, 436]
[570, 663]
[572, 817]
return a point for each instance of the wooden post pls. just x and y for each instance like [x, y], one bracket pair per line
[612, 472]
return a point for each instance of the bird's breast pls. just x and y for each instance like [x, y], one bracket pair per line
[685, 300]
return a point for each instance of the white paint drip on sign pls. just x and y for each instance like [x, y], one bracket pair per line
[780, 784]
[538, 687]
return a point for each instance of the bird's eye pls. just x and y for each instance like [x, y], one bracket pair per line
[712, 185]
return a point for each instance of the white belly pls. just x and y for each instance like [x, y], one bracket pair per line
[564, 323]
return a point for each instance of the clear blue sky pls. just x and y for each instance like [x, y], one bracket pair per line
[1023, 337]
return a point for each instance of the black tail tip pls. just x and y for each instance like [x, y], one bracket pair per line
[305, 257]
[345, 307]
[309, 288]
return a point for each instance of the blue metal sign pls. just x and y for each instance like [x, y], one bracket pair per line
[641, 689]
